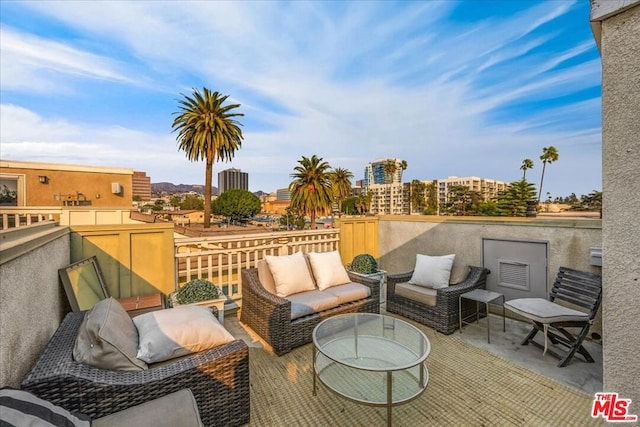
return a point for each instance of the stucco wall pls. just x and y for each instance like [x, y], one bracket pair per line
[620, 49]
[32, 304]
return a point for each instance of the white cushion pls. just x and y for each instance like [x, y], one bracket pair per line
[328, 269]
[305, 303]
[544, 311]
[175, 332]
[265, 277]
[290, 274]
[432, 271]
[417, 293]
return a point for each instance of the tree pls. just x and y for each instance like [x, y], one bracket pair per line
[462, 200]
[207, 131]
[311, 191]
[549, 155]
[364, 203]
[350, 205]
[236, 205]
[431, 191]
[418, 196]
[526, 164]
[175, 201]
[390, 168]
[192, 202]
[340, 185]
[513, 201]
[292, 219]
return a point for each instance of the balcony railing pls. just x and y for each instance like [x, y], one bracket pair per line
[219, 259]
[21, 216]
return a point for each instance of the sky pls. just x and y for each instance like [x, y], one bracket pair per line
[455, 88]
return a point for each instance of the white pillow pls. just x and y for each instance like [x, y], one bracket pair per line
[290, 274]
[175, 332]
[328, 269]
[432, 271]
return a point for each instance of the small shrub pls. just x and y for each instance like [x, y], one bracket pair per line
[198, 290]
[364, 264]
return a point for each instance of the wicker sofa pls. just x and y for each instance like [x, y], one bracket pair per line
[443, 316]
[270, 315]
[218, 379]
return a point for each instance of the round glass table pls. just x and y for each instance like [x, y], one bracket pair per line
[371, 359]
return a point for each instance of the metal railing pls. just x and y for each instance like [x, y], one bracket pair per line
[220, 259]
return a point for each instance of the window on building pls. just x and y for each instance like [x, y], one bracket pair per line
[10, 190]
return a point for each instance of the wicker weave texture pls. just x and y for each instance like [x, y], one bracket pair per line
[443, 317]
[218, 379]
[270, 316]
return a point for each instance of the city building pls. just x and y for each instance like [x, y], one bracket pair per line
[387, 196]
[141, 186]
[232, 179]
[283, 194]
[488, 188]
[374, 172]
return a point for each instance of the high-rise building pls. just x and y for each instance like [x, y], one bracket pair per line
[488, 188]
[374, 172]
[141, 185]
[231, 179]
[283, 194]
[387, 195]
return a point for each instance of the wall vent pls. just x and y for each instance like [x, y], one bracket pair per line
[514, 275]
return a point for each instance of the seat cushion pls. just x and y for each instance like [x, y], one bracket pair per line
[417, 293]
[306, 303]
[174, 409]
[349, 292]
[175, 332]
[544, 311]
[108, 338]
[290, 273]
[328, 269]
[432, 271]
[21, 408]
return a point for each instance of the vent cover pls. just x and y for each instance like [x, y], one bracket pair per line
[513, 275]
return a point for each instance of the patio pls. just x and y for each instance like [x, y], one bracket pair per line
[468, 385]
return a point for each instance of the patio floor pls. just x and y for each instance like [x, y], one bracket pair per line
[501, 383]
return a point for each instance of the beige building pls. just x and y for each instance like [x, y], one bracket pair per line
[55, 184]
[487, 187]
[388, 199]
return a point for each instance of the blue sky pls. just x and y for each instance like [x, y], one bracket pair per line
[455, 88]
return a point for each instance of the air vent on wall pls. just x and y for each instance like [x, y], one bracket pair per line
[116, 188]
[514, 275]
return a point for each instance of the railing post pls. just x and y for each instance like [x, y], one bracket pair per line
[284, 247]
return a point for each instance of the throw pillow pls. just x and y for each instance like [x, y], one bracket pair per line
[175, 332]
[265, 277]
[108, 339]
[432, 271]
[21, 408]
[459, 273]
[290, 274]
[328, 269]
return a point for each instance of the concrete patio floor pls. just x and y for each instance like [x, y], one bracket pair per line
[579, 374]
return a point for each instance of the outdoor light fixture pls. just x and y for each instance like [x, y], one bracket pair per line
[43, 179]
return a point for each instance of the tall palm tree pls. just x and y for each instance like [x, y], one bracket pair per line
[549, 155]
[341, 186]
[526, 164]
[390, 168]
[311, 191]
[207, 131]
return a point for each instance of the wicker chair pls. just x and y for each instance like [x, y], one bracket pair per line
[270, 315]
[443, 316]
[218, 379]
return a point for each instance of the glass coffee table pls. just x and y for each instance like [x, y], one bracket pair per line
[371, 359]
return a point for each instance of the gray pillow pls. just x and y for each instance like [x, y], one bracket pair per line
[108, 339]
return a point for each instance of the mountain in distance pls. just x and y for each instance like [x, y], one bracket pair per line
[167, 187]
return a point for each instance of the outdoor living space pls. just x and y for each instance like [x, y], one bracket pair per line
[470, 382]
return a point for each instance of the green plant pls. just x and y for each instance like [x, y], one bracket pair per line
[364, 264]
[198, 290]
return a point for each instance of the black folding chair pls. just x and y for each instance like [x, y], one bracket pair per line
[578, 288]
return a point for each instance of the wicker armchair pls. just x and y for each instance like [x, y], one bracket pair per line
[270, 315]
[443, 317]
[218, 379]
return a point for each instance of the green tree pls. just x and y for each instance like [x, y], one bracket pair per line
[526, 164]
[418, 196]
[236, 204]
[192, 202]
[292, 219]
[207, 131]
[513, 201]
[431, 192]
[364, 203]
[462, 200]
[311, 191]
[390, 167]
[175, 201]
[340, 185]
[350, 205]
[549, 155]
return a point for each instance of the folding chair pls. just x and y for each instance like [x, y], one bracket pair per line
[579, 288]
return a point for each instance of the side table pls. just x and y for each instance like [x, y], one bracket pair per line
[481, 296]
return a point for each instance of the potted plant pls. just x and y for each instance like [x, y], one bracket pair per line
[367, 266]
[198, 292]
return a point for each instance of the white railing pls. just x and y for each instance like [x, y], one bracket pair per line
[21, 216]
[220, 259]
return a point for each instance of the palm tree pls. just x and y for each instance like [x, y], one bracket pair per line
[341, 185]
[311, 191]
[526, 164]
[207, 131]
[390, 168]
[549, 155]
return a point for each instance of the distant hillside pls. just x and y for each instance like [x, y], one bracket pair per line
[167, 187]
